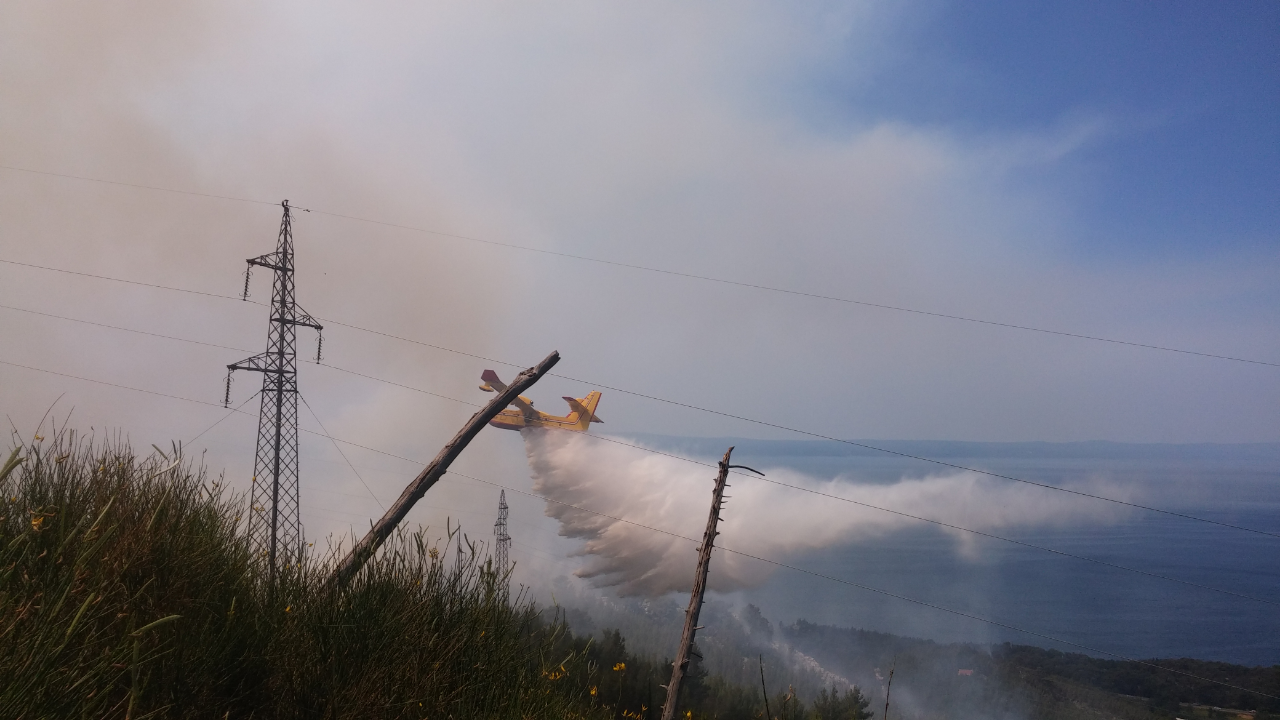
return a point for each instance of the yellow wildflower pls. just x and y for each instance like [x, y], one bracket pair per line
[36, 522]
[620, 667]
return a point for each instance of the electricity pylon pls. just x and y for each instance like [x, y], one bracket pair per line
[275, 524]
[502, 541]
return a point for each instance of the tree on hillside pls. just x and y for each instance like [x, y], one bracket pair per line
[832, 706]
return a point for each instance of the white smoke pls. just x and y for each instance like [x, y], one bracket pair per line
[760, 518]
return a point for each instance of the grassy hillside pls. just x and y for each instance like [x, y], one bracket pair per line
[127, 590]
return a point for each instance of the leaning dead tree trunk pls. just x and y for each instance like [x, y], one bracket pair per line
[699, 588]
[381, 530]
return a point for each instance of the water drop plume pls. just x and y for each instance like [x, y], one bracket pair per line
[760, 518]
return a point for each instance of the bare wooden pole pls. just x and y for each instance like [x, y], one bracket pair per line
[381, 530]
[768, 715]
[695, 597]
[889, 687]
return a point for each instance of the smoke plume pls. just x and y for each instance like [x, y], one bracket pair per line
[760, 518]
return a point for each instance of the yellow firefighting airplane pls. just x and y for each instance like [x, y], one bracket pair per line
[523, 415]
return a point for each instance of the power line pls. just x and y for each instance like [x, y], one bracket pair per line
[733, 416]
[868, 588]
[842, 581]
[690, 276]
[127, 282]
[921, 458]
[820, 436]
[677, 457]
[238, 299]
[233, 411]
[776, 563]
[339, 449]
[798, 293]
[705, 464]
[110, 384]
[122, 329]
[226, 347]
[824, 576]
[400, 385]
[134, 185]
[808, 433]
[870, 506]
[949, 525]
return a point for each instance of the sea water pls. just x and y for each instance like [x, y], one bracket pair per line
[1052, 598]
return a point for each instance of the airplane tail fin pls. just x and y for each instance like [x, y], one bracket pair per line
[586, 410]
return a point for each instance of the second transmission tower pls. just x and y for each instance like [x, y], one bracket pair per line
[502, 541]
[275, 523]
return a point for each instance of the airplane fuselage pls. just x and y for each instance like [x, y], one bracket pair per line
[522, 415]
[515, 420]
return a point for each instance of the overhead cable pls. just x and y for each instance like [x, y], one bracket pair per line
[868, 588]
[733, 416]
[800, 293]
[686, 275]
[139, 187]
[676, 457]
[340, 452]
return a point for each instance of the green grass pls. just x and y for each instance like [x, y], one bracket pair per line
[127, 590]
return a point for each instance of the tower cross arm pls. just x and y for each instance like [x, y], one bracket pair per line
[303, 318]
[270, 260]
[262, 362]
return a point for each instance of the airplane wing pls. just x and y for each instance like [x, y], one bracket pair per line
[493, 384]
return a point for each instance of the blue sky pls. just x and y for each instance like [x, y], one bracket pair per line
[1187, 94]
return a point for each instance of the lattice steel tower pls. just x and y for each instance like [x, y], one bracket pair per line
[275, 525]
[503, 540]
